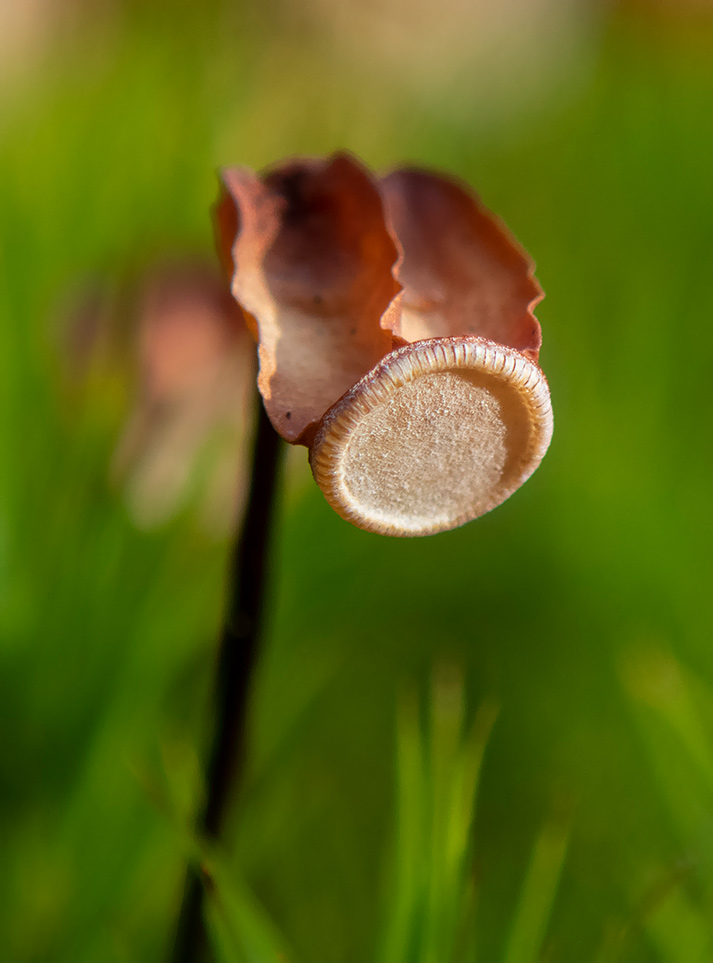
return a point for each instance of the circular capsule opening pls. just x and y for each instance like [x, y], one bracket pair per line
[438, 433]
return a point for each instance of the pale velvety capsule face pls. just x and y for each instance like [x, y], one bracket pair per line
[437, 434]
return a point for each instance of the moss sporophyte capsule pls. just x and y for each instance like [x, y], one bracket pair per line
[396, 337]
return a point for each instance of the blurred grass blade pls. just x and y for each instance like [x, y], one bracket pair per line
[242, 929]
[446, 765]
[680, 931]
[437, 774]
[409, 866]
[654, 678]
[538, 893]
[222, 936]
[668, 704]
[455, 761]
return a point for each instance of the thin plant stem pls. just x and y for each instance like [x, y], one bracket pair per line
[237, 655]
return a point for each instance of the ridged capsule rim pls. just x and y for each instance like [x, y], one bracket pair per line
[402, 366]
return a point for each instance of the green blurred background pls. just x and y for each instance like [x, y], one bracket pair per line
[572, 625]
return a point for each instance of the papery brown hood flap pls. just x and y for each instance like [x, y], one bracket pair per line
[313, 264]
[461, 270]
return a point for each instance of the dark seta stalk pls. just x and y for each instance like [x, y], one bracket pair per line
[238, 651]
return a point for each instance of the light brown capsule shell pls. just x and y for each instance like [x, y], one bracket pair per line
[312, 261]
[438, 433]
[461, 269]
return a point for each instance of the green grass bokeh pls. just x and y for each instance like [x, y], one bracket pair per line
[580, 607]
